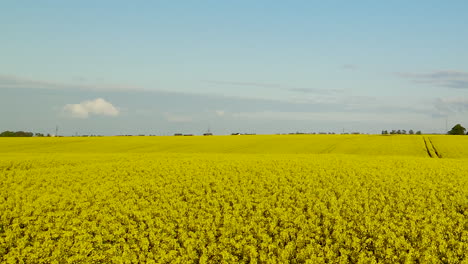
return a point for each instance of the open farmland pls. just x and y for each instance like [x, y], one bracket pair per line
[234, 199]
[281, 144]
[451, 146]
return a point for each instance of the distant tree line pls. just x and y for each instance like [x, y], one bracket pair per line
[401, 132]
[21, 134]
[16, 134]
[456, 130]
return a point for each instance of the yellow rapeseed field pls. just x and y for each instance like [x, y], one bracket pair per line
[281, 144]
[234, 199]
[451, 146]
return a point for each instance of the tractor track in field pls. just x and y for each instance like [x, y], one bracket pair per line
[435, 150]
[427, 148]
[429, 145]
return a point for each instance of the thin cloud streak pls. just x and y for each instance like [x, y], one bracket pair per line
[13, 81]
[349, 67]
[177, 117]
[276, 86]
[329, 116]
[316, 91]
[441, 78]
[447, 106]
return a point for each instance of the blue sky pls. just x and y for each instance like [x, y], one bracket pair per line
[160, 67]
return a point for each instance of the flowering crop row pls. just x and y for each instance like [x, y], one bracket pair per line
[232, 208]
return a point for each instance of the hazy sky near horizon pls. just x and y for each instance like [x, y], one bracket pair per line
[161, 67]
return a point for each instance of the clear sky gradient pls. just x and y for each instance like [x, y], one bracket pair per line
[161, 67]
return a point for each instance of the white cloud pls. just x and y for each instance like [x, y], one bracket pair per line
[97, 106]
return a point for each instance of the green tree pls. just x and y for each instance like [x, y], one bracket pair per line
[457, 130]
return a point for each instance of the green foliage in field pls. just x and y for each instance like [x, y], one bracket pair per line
[231, 208]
